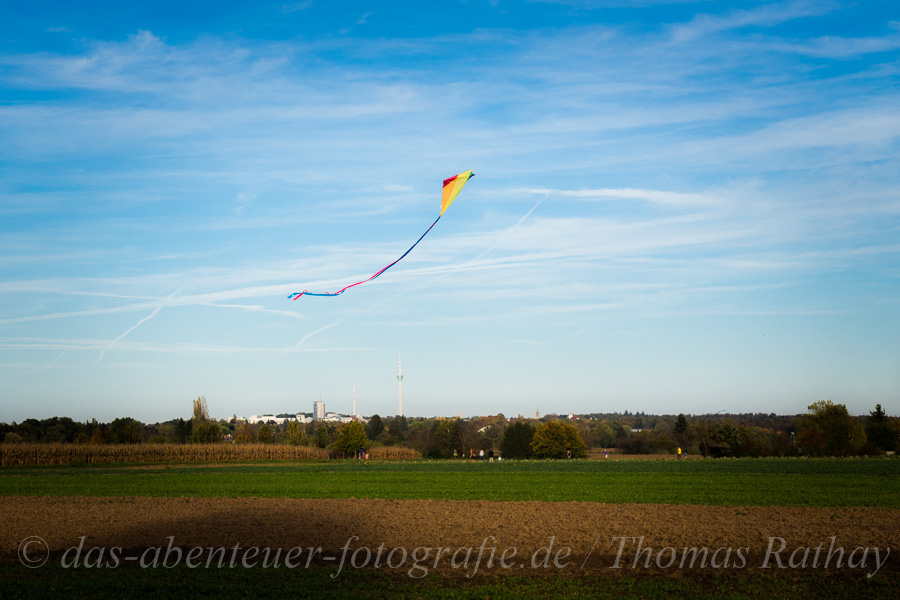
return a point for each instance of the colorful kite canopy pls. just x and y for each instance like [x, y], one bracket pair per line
[452, 187]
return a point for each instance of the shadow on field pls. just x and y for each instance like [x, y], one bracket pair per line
[415, 536]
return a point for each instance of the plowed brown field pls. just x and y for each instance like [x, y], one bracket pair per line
[736, 539]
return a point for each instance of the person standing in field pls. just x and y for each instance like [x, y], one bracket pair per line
[481, 454]
[491, 455]
[472, 454]
[679, 453]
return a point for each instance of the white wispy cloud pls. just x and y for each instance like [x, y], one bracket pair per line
[178, 348]
[296, 6]
[654, 196]
[627, 171]
[764, 16]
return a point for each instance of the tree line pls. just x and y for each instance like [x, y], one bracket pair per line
[826, 429]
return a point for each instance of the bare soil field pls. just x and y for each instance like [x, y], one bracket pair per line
[600, 538]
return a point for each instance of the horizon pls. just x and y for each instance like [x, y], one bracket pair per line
[562, 416]
[684, 203]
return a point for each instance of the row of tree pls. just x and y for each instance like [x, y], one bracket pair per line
[827, 429]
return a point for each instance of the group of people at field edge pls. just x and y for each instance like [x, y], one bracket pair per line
[480, 456]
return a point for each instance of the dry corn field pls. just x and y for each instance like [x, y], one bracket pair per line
[67, 454]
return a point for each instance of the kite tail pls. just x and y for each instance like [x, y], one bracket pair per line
[296, 295]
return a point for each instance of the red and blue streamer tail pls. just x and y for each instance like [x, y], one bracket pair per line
[296, 295]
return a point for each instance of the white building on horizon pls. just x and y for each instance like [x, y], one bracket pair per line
[254, 419]
[319, 414]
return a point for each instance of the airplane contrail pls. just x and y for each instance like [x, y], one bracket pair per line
[138, 324]
[309, 335]
[510, 230]
[44, 368]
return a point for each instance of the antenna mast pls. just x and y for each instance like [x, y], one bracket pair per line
[400, 382]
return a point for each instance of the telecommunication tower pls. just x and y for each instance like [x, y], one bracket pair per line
[400, 382]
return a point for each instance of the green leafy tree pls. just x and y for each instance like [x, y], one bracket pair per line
[30, 430]
[207, 433]
[294, 433]
[602, 435]
[398, 427]
[101, 435]
[555, 439]
[859, 439]
[55, 434]
[322, 437]
[827, 429]
[440, 439]
[203, 430]
[265, 435]
[350, 438]
[245, 434]
[126, 430]
[681, 425]
[727, 439]
[516, 442]
[201, 412]
[386, 439]
[182, 431]
[374, 427]
[880, 432]
[456, 438]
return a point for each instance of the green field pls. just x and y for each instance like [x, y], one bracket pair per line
[739, 482]
[133, 582]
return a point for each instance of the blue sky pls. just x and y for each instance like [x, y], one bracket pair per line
[678, 206]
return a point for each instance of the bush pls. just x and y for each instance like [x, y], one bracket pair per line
[554, 439]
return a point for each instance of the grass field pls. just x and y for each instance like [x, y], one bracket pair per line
[319, 583]
[744, 482]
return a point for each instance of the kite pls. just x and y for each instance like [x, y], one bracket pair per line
[452, 187]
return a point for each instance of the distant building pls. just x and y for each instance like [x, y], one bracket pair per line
[336, 418]
[318, 414]
[267, 419]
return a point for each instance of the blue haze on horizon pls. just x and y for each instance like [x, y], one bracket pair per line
[678, 207]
